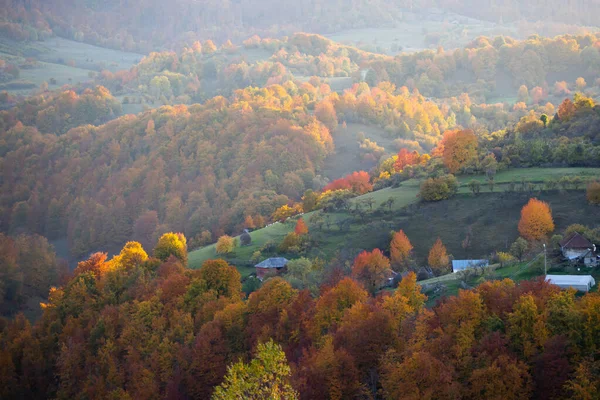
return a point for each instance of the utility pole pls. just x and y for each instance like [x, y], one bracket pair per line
[545, 273]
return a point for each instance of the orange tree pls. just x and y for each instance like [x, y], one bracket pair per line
[536, 220]
[438, 258]
[371, 268]
[459, 149]
[400, 249]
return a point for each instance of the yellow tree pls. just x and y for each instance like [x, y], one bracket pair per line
[225, 245]
[536, 220]
[171, 244]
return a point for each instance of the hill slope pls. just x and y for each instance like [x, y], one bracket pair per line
[491, 218]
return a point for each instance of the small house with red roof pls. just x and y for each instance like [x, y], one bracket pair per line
[576, 247]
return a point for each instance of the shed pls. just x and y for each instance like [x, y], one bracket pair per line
[583, 283]
[461, 265]
[275, 264]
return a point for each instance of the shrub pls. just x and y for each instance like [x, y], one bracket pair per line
[436, 189]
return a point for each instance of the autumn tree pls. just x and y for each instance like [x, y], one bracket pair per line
[225, 245]
[504, 379]
[357, 182]
[526, 326]
[325, 112]
[406, 158]
[438, 259]
[309, 200]
[95, 264]
[266, 377]
[536, 220]
[419, 376]
[523, 94]
[332, 304]
[301, 228]
[221, 277]
[327, 372]
[566, 110]
[400, 250]
[171, 244]
[593, 192]
[460, 149]
[371, 268]
[249, 222]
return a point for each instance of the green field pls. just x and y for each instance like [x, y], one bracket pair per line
[490, 219]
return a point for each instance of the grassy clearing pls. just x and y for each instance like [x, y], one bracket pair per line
[347, 156]
[491, 219]
[454, 30]
[53, 56]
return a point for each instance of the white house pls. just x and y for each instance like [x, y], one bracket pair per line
[583, 283]
[576, 247]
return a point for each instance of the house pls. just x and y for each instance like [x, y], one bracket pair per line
[461, 265]
[270, 265]
[583, 283]
[576, 247]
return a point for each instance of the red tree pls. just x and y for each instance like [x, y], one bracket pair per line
[301, 228]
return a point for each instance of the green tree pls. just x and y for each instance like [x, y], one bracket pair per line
[266, 377]
[475, 186]
[171, 244]
[519, 248]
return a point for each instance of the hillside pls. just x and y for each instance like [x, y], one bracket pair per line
[195, 169]
[491, 219]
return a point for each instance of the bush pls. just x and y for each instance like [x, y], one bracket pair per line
[436, 189]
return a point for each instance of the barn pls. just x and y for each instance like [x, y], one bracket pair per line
[582, 283]
[270, 265]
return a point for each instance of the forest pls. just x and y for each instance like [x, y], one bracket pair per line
[299, 200]
[140, 326]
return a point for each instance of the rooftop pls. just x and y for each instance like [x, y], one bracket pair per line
[275, 262]
[571, 279]
[576, 241]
